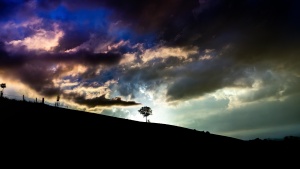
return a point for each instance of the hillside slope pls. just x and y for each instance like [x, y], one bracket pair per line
[36, 126]
[18, 116]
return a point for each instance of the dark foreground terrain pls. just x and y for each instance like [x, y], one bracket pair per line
[38, 129]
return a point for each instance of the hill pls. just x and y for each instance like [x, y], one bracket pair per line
[42, 128]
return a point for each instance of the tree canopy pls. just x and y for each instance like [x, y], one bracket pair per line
[145, 111]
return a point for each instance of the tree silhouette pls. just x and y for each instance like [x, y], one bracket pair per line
[146, 111]
[3, 85]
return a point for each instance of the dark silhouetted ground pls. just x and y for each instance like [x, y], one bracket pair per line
[38, 129]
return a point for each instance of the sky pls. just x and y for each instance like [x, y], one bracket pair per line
[228, 67]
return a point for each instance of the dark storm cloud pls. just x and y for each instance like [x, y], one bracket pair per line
[256, 30]
[193, 79]
[244, 32]
[37, 78]
[200, 78]
[99, 101]
[84, 57]
[34, 73]
[151, 75]
[201, 23]
[37, 70]
[8, 60]
[93, 78]
[197, 82]
[185, 80]
[160, 68]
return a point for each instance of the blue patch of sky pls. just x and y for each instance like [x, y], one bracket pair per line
[9, 9]
[88, 18]
[122, 32]
[106, 75]
[150, 40]
[97, 20]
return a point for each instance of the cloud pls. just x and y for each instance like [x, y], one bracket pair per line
[22, 56]
[197, 79]
[37, 78]
[242, 34]
[184, 69]
[165, 52]
[39, 70]
[192, 47]
[41, 40]
[101, 101]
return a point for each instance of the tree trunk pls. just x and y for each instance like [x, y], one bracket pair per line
[146, 118]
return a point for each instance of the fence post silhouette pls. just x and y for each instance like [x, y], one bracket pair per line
[23, 98]
[36, 100]
[57, 101]
[43, 101]
[1, 93]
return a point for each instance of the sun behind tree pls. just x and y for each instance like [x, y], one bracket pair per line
[146, 111]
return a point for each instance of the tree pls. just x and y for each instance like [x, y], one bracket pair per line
[145, 111]
[3, 85]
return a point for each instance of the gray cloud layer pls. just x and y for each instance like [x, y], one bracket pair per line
[253, 119]
[99, 101]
